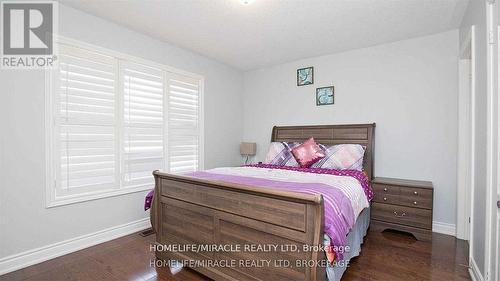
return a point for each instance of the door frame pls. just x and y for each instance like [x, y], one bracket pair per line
[466, 141]
[496, 258]
[493, 146]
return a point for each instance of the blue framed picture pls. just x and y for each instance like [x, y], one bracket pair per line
[324, 96]
[305, 76]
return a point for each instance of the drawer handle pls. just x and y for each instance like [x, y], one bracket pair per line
[385, 189]
[385, 198]
[398, 215]
[414, 202]
[416, 193]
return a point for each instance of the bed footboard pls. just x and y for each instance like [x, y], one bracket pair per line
[237, 232]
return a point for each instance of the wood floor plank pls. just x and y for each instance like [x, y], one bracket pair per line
[384, 256]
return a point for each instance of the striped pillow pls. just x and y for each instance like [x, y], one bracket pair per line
[342, 157]
[280, 153]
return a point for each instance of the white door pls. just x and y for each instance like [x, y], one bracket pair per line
[497, 213]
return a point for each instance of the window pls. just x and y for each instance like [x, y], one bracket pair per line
[143, 123]
[183, 126]
[113, 119]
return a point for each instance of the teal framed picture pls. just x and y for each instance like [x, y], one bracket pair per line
[325, 95]
[305, 76]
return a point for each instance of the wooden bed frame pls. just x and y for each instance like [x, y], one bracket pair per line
[194, 211]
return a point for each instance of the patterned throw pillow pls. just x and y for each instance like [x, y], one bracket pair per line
[342, 157]
[308, 153]
[280, 154]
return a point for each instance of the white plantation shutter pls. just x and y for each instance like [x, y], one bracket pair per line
[183, 123]
[143, 123]
[85, 114]
[113, 120]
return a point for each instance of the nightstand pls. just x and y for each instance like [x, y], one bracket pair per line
[404, 205]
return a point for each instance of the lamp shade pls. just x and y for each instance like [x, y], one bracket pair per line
[248, 148]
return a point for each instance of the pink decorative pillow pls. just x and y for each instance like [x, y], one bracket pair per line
[308, 153]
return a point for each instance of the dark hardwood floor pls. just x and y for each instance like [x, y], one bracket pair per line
[385, 256]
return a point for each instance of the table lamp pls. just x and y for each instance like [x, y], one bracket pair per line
[248, 149]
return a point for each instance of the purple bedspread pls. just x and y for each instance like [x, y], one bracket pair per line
[359, 175]
[148, 201]
[339, 214]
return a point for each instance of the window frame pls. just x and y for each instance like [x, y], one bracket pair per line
[50, 124]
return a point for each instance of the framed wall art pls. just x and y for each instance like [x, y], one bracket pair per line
[325, 95]
[305, 76]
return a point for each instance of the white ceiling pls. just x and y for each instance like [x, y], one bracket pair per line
[268, 32]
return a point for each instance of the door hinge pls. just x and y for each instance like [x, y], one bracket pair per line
[469, 219]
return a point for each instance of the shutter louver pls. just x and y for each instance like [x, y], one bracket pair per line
[183, 123]
[86, 119]
[143, 123]
[113, 119]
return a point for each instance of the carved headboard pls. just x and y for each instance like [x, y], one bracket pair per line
[363, 134]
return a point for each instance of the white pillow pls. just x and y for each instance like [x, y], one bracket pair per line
[280, 153]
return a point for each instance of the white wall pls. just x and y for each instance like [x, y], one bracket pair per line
[25, 223]
[409, 88]
[476, 15]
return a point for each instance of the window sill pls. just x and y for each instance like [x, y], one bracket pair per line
[73, 199]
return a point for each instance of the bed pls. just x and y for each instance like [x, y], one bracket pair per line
[210, 210]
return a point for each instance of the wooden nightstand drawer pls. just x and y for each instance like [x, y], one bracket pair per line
[386, 198]
[402, 215]
[416, 197]
[384, 189]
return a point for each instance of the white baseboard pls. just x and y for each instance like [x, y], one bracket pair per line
[38, 255]
[474, 272]
[444, 228]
